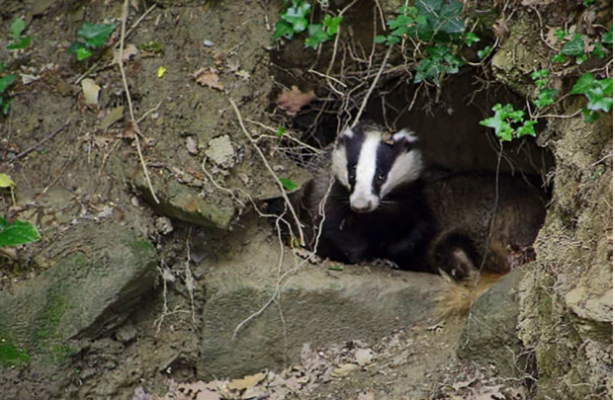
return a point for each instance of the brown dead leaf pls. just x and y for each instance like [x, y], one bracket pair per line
[247, 381]
[366, 395]
[500, 28]
[196, 391]
[113, 115]
[207, 77]
[129, 52]
[90, 91]
[363, 356]
[292, 100]
[344, 370]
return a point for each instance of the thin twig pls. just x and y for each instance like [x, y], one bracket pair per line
[371, 88]
[36, 146]
[132, 112]
[271, 171]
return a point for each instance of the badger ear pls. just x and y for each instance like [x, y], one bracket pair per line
[343, 138]
[406, 139]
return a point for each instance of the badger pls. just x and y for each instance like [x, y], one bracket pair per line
[375, 208]
[380, 202]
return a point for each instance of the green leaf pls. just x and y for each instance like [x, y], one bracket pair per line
[583, 84]
[607, 37]
[484, 52]
[527, 129]
[338, 268]
[21, 44]
[560, 34]
[17, 233]
[5, 82]
[288, 184]
[587, 3]
[95, 35]
[590, 116]
[332, 24]
[380, 39]
[598, 101]
[502, 127]
[470, 38]
[4, 106]
[283, 29]
[558, 58]
[296, 15]
[541, 73]
[280, 131]
[545, 97]
[574, 47]
[598, 50]
[17, 27]
[76, 45]
[581, 59]
[317, 36]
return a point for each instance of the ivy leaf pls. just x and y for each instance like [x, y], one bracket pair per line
[6, 81]
[332, 24]
[296, 15]
[484, 52]
[598, 50]
[21, 44]
[280, 131]
[607, 37]
[17, 27]
[288, 184]
[283, 29]
[558, 58]
[450, 20]
[545, 97]
[380, 39]
[527, 129]
[541, 73]
[470, 38]
[560, 34]
[95, 35]
[317, 36]
[590, 116]
[574, 47]
[583, 84]
[502, 127]
[17, 233]
[598, 101]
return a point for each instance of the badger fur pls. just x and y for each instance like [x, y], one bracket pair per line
[375, 208]
[383, 204]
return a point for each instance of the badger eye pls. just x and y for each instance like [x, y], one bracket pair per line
[381, 178]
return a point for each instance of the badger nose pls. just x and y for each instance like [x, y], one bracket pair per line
[362, 208]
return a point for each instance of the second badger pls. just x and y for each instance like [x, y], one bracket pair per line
[383, 205]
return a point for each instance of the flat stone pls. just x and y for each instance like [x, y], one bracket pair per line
[89, 291]
[315, 305]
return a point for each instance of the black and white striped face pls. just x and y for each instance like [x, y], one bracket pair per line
[371, 166]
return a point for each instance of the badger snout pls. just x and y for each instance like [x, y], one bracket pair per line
[363, 204]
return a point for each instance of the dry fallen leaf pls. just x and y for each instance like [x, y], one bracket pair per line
[344, 370]
[113, 115]
[363, 356]
[247, 381]
[366, 395]
[206, 77]
[292, 100]
[129, 52]
[196, 391]
[90, 91]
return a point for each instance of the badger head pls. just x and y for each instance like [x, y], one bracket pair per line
[372, 165]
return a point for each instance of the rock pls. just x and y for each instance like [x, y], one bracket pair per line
[221, 152]
[315, 306]
[489, 337]
[184, 203]
[89, 291]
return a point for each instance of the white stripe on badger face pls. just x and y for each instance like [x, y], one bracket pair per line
[407, 166]
[339, 161]
[363, 199]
